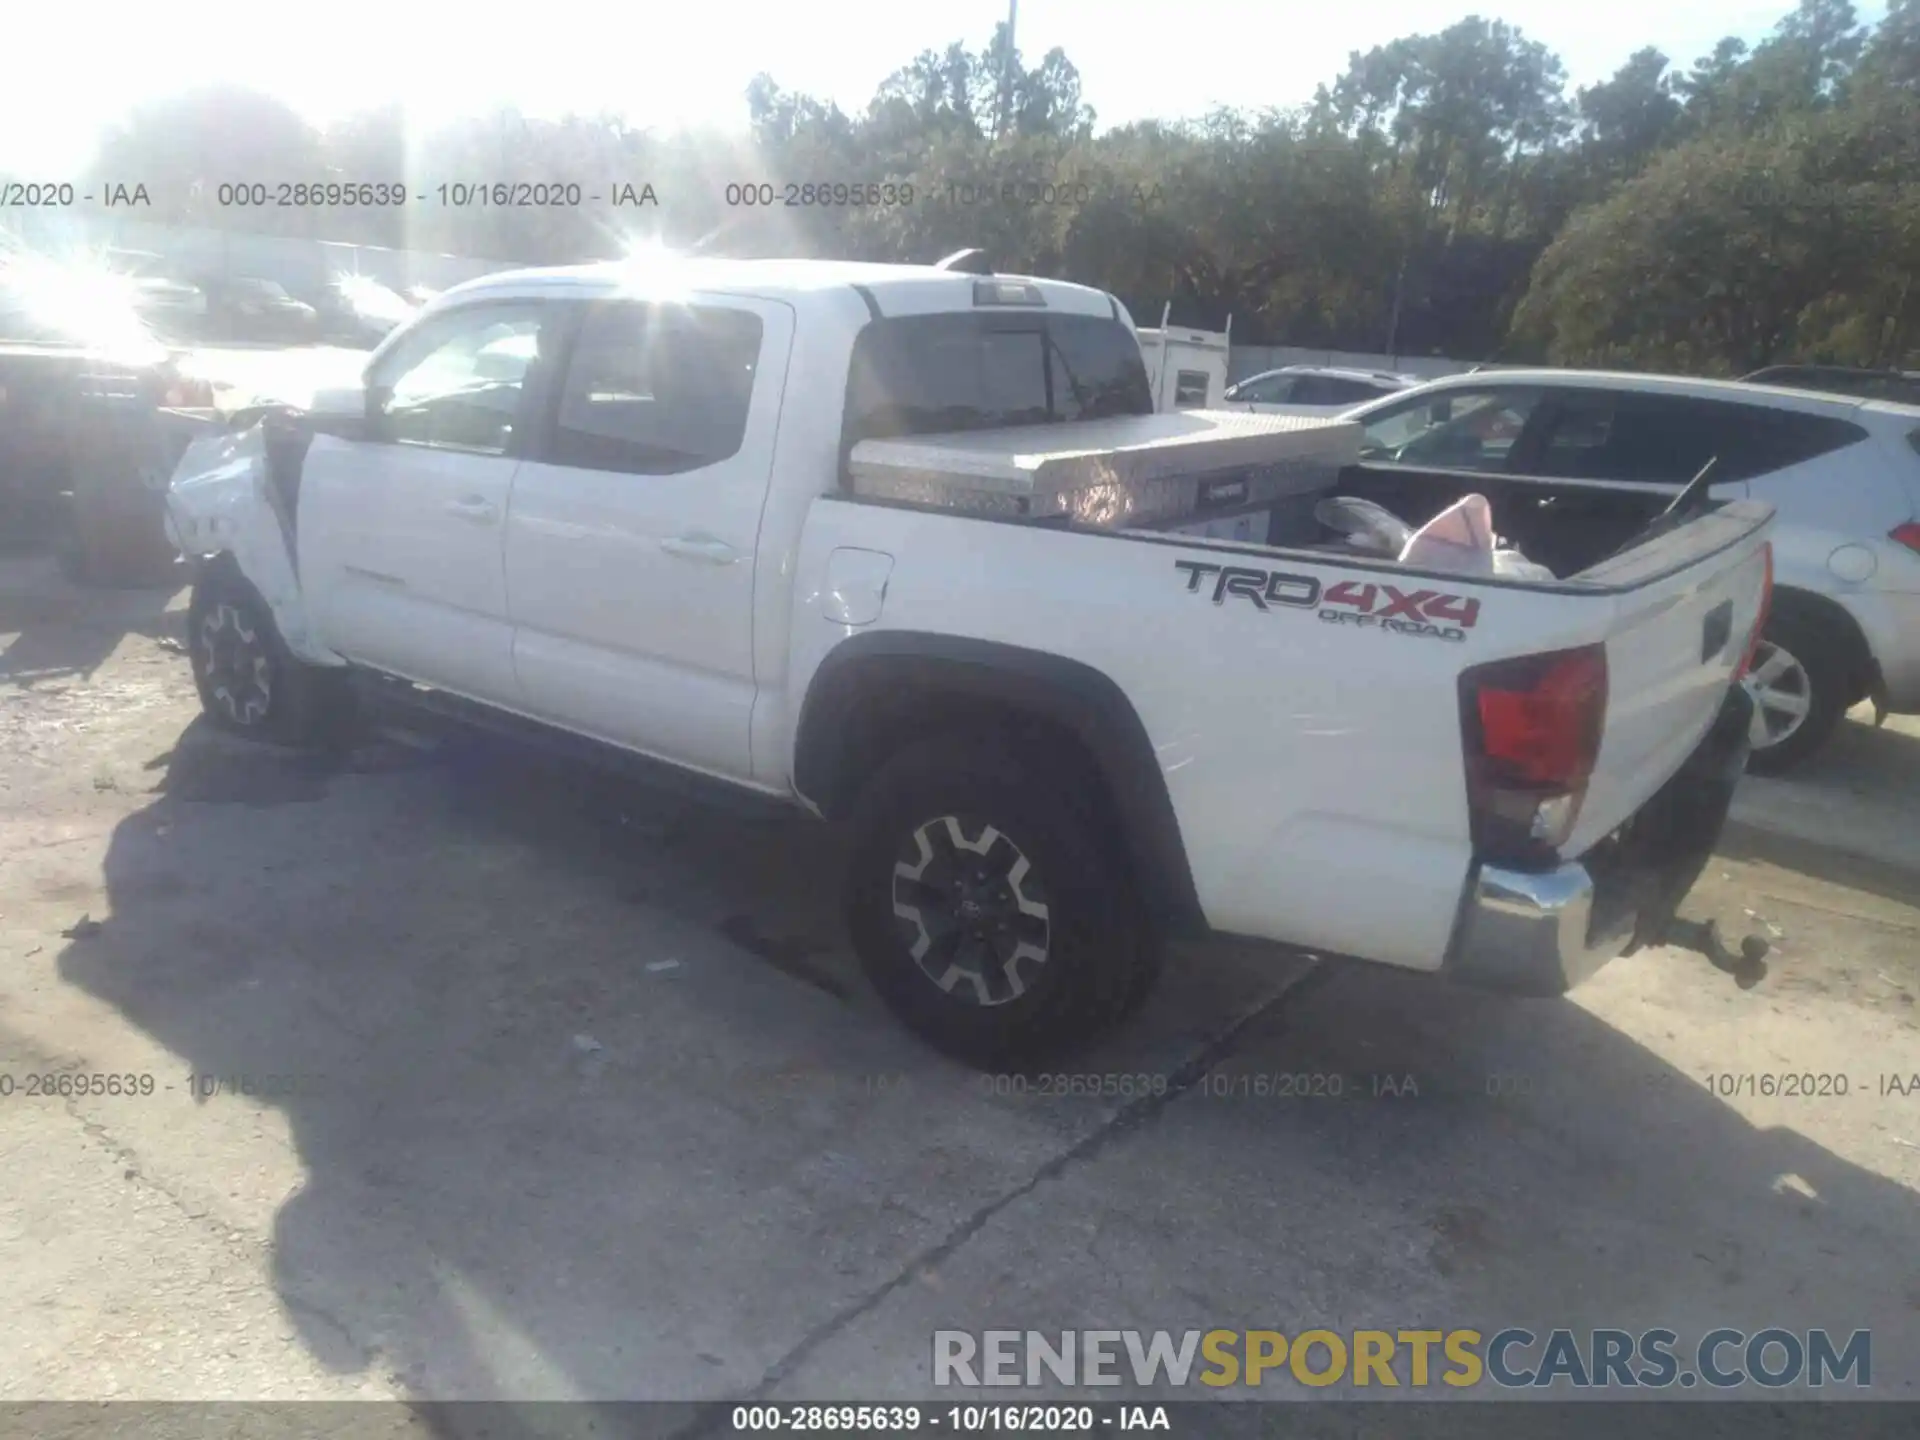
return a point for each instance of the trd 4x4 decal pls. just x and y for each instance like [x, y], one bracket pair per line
[1404, 612]
[1363, 603]
[1263, 587]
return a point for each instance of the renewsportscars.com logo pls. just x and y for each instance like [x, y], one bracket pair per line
[1510, 1359]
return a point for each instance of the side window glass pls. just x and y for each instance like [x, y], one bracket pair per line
[1660, 439]
[1575, 444]
[1345, 393]
[1330, 390]
[459, 387]
[1274, 390]
[1189, 389]
[1768, 440]
[657, 389]
[1455, 430]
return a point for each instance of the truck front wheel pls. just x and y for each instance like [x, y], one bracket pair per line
[249, 682]
[987, 906]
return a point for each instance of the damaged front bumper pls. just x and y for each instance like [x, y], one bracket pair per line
[225, 499]
[1541, 932]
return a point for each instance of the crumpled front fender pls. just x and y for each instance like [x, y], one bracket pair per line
[220, 501]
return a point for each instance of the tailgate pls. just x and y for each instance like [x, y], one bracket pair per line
[1685, 610]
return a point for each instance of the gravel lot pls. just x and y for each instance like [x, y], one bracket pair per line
[571, 1091]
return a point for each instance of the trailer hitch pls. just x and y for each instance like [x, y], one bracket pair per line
[1748, 966]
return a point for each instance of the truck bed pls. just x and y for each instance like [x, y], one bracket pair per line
[1305, 706]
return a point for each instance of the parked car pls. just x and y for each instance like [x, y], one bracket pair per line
[84, 454]
[734, 538]
[175, 308]
[1843, 473]
[1313, 389]
[169, 302]
[1900, 386]
[250, 308]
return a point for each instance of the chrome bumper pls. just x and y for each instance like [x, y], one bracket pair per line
[1541, 932]
[1532, 932]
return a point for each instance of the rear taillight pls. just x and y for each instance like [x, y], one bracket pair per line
[1531, 729]
[1907, 535]
[1760, 620]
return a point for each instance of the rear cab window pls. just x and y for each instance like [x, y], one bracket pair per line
[944, 373]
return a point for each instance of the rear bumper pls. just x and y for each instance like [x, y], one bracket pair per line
[1543, 932]
[1890, 620]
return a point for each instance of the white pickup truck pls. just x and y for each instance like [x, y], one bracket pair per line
[623, 505]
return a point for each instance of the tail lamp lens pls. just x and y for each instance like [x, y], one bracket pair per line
[1531, 727]
[1760, 621]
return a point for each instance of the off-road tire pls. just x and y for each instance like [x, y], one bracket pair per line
[1820, 655]
[301, 705]
[1101, 955]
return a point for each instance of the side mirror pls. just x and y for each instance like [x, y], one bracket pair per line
[350, 400]
[348, 412]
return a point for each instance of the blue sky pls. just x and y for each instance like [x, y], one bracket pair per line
[666, 65]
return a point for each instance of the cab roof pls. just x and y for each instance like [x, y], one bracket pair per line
[893, 289]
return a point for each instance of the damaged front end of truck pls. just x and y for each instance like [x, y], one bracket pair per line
[235, 494]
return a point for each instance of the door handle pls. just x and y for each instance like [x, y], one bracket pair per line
[714, 552]
[472, 507]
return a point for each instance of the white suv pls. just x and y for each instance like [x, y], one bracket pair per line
[1843, 474]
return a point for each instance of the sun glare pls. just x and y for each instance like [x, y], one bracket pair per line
[77, 298]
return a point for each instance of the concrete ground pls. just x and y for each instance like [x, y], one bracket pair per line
[564, 1090]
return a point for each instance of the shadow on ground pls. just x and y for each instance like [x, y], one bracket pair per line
[589, 1102]
[61, 631]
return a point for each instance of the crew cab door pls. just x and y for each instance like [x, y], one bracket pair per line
[400, 532]
[632, 531]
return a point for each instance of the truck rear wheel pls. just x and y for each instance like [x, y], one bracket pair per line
[249, 682]
[987, 905]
